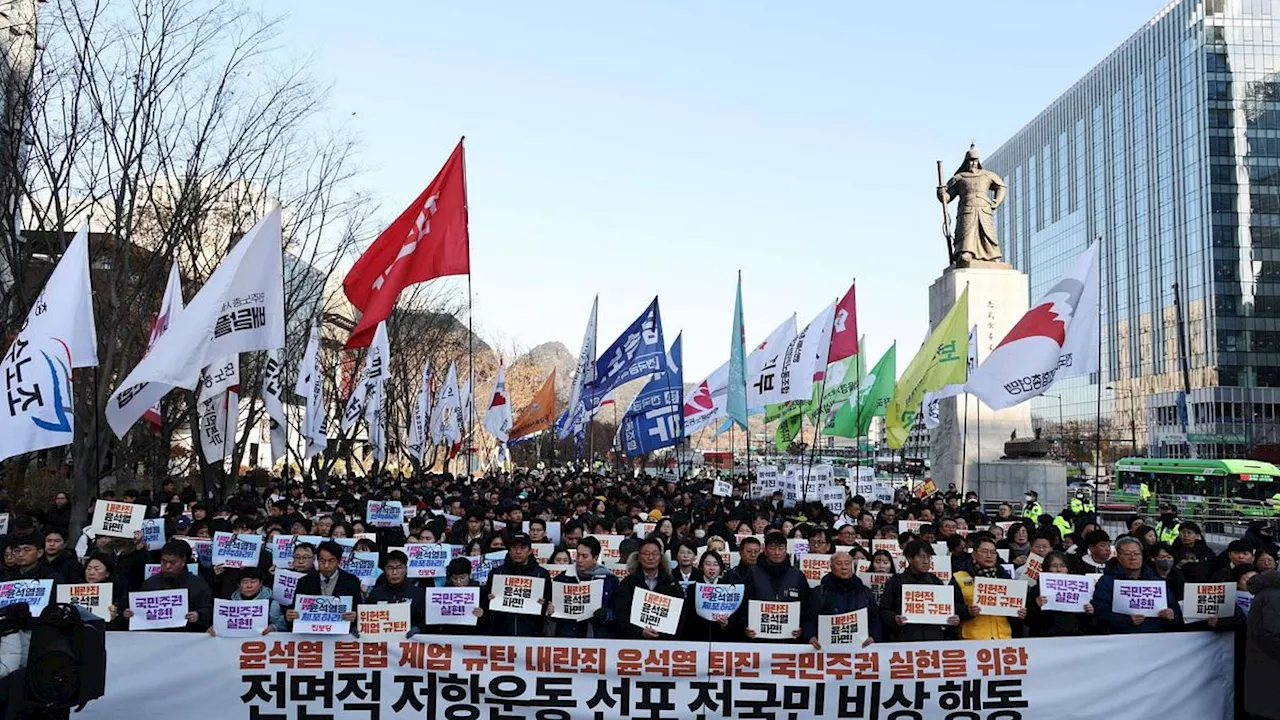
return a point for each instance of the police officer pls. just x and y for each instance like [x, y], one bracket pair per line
[1031, 508]
[1081, 503]
[1168, 527]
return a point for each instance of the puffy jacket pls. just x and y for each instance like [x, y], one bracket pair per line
[602, 623]
[66, 565]
[507, 624]
[1262, 647]
[625, 596]
[199, 597]
[275, 615]
[771, 582]
[1110, 622]
[834, 596]
[891, 607]
[981, 626]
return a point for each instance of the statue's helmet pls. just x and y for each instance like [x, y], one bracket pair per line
[972, 154]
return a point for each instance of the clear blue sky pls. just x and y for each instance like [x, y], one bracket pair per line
[657, 147]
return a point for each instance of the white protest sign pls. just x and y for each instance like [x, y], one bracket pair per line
[482, 565]
[847, 629]
[556, 571]
[875, 581]
[4, 523]
[814, 567]
[1139, 597]
[383, 622]
[364, 565]
[240, 618]
[1034, 565]
[576, 601]
[33, 593]
[542, 552]
[452, 605]
[940, 567]
[1003, 554]
[717, 602]
[722, 488]
[1202, 601]
[282, 547]
[322, 615]
[236, 551]
[94, 597]
[518, 594]
[285, 585]
[428, 560]
[999, 597]
[153, 533]
[658, 612]
[1065, 593]
[609, 545]
[384, 514]
[773, 620]
[117, 519]
[928, 604]
[158, 609]
[833, 498]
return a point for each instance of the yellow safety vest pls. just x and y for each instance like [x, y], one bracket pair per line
[1144, 492]
[1033, 511]
[1063, 526]
[1168, 535]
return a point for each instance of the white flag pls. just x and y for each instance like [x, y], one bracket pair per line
[806, 357]
[1057, 338]
[464, 413]
[233, 421]
[240, 309]
[273, 399]
[584, 374]
[58, 335]
[360, 404]
[932, 414]
[421, 415]
[444, 418]
[170, 306]
[764, 386]
[497, 420]
[310, 386]
[212, 408]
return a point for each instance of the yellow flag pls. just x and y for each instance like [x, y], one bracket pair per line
[942, 360]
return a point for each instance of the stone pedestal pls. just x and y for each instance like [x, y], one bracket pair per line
[970, 432]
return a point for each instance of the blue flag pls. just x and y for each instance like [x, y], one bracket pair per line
[737, 404]
[637, 353]
[655, 419]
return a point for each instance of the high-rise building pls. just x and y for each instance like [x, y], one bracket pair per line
[1169, 151]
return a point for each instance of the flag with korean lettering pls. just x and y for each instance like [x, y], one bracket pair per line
[363, 397]
[1056, 339]
[764, 367]
[273, 399]
[584, 375]
[445, 428]
[212, 408]
[654, 419]
[804, 359]
[240, 309]
[310, 387]
[421, 415]
[938, 363]
[638, 352]
[59, 334]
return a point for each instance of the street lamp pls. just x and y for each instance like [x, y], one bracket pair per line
[1133, 422]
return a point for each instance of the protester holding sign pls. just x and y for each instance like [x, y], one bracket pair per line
[649, 570]
[919, 559]
[447, 605]
[1058, 588]
[251, 588]
[974, 623]
[1130, 566]
[520, 562]
[329, 580]
[774, 579]
[174, 576]
[394, 586]
[587, 568]
[1262, 647]
[710, 628]
[840, 592]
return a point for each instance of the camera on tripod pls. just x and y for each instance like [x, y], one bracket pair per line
[55, 662]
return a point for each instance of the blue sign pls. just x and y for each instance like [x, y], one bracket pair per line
[655, 419]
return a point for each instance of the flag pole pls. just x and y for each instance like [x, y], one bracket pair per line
[1097, 428]
[471, 351]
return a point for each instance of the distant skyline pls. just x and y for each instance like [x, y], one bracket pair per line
[658, 148]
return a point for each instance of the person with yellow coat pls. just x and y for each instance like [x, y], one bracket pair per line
[974, 625]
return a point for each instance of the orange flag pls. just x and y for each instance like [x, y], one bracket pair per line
[540, 413]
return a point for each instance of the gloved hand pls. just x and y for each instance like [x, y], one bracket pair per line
[600, 616]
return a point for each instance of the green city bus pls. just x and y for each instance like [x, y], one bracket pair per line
[1200, 482]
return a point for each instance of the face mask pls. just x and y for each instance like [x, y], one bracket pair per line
[1166, 516]
[699, 533]
[1026, 498]
[1164, 564]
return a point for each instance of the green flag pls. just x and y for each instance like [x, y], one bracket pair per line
[942, 360]
[852, 419]
[737, 402]
[787, 430]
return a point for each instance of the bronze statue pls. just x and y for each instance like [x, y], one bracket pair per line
[975, 235]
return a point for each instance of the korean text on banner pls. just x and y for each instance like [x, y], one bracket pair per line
[657, 612]
[846, 629]
[773, 620]
[518, 594]
[117, 519]
[928, 604]
[1066, 593]
[576, 601]
[285, 585]
[814, 567]
[427, 560]
[452, 605]
[384, 622]
[1139, 597]
[1002, 598]
[384, 514]
[240, 618]
[1034, 565]
[1202, 601]
[158, 609]
[322, 615]
[94, 597]
[717, 602]
[153, 533]
[35, 594]
[236, 551]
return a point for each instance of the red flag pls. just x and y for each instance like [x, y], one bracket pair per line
[428, 240]
[844, 329]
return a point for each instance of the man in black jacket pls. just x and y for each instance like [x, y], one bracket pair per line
[26, 551]
[394, 586]
[329, 581]
[173, 575]
[841, 592]
[774, 579]
[519, 561]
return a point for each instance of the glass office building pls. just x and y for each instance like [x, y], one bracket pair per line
[1169, 152]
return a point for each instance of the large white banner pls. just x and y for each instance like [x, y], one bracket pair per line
[229, 678]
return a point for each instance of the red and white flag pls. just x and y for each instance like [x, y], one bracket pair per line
[498, 418]
[429, 240]
[1057, 338]
[170, 306]
[844, 329]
